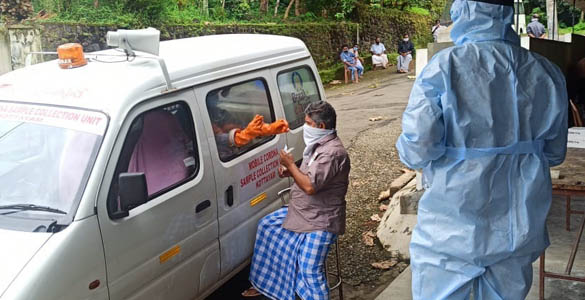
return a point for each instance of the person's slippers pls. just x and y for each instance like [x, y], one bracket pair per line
[250, 293]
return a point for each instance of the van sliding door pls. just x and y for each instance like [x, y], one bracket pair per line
[246, 176]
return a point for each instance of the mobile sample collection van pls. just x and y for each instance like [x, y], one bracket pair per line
[116, 180]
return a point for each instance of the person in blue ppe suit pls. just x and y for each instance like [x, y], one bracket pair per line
[485, 121]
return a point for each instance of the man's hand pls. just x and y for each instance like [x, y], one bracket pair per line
[286, 159]
[282, 172]
[301, 179]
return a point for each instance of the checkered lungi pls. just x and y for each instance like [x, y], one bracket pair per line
[286, 262]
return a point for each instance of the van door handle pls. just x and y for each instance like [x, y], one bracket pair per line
[229, 196]
[201, 206]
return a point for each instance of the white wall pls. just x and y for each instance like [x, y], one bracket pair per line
[5, 63]
[15, 45]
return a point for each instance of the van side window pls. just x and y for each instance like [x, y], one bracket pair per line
[297, 89]
[161, 144]
[233, 107]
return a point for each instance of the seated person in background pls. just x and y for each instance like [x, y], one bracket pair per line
[350, 61]
[379, 57]
[360, 61]
[405, 49]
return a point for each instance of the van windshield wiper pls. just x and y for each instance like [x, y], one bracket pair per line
[25, 207]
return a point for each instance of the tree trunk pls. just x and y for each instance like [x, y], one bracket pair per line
[288, 8]
[264, 6]
[205, 7]
[297, 8]
[223, 4]
[582, 16]
[552, 20]
[276, 7]
[96, 3]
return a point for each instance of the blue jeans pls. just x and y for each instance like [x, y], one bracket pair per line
[352, 69]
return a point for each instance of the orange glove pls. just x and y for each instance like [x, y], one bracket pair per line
[278, 127]
[252, 131]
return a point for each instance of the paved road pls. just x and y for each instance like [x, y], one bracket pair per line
[381, 93]
[355, 105]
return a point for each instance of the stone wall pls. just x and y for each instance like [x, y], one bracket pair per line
[16, 42]
[322, 39]
[390, 25]
[5, 61]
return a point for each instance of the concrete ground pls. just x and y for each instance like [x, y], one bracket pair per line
[556, 259]
[382, 93]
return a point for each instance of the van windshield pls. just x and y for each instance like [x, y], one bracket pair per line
[46, 154]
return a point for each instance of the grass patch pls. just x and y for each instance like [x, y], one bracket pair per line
[419, 11]
[579, 29]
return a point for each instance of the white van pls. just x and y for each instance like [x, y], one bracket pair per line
[115, 186]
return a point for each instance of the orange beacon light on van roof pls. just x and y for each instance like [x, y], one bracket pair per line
[71, 56]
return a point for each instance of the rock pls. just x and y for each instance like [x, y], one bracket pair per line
[384, 265]
[395, 230]
[401, 181]
[374, 119]
[376, 217]
[408, 198]
[383, 207]
[384, 195]
[368, 238]
[395, 254]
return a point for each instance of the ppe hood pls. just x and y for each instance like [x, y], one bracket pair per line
[485, 20]
[16, 250]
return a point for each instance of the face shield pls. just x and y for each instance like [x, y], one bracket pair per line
[446, 17]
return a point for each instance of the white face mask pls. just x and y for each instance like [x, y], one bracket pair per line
[312, 135]
[405, 39]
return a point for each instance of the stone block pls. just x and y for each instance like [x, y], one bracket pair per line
[408, 198]
[395, 229]
[400, 182]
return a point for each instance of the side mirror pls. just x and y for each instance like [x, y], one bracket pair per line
[132, 190]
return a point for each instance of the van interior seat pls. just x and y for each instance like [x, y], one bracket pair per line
[160, 151]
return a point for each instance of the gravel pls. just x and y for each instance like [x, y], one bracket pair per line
[375, 164]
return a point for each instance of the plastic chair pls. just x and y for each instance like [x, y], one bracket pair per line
[338, 284]
[347, 73]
